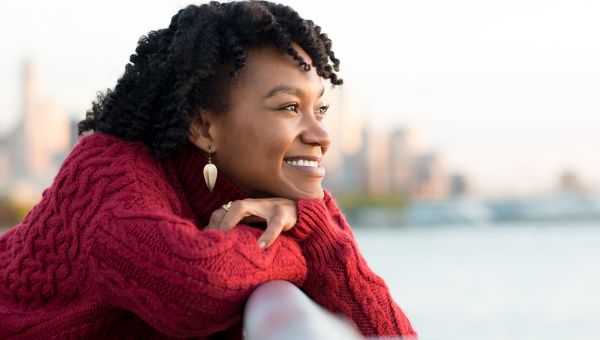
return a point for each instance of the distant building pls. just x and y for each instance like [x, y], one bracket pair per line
[32, 152]
[405, 146]
[5, 165]
[459, 185]
[355, 169]
[377, 161]
[431, 181]
[344, 160]
[374, 162]
[569, 181]
[73, 128]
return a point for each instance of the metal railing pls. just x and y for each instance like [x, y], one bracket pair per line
[279, 310]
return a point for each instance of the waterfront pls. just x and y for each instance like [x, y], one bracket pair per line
[510, 281]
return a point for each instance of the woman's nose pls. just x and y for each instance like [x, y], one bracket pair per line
[316, 133]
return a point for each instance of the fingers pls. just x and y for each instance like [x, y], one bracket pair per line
[274, 228]
[231, 218]
[215, 219]
[277, 222]
[279, 215]
[252, 219]
[237, 211]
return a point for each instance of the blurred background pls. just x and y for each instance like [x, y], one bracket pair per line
[465, 153]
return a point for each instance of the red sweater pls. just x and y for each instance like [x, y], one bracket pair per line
[116, 249]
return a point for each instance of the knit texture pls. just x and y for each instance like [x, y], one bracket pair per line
[116, 249]
[336, 266]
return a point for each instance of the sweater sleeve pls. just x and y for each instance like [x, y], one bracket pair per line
[338, 275]
[181, 280]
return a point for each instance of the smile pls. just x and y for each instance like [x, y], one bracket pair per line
[311, 168]
[303, 162]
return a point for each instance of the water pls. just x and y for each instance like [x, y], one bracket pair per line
[496, 282]
[493, 282]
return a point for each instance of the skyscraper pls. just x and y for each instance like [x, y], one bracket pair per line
[37, 144]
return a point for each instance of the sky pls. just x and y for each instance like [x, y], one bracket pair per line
[506, 91]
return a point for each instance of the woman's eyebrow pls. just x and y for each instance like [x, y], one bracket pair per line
[288, 89]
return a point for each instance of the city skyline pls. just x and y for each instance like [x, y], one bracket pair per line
[374, 164]
[507, 93]
[361, 159]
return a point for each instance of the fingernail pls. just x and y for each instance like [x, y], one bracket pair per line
[262, 244]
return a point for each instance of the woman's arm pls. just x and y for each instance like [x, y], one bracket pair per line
[339, 277]
[181, 280]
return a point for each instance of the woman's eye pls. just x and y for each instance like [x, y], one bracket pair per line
[323, 109]
[294, 106]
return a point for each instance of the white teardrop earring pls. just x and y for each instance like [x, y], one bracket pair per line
[210, 173]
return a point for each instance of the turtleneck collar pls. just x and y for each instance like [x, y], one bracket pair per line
[189, 164]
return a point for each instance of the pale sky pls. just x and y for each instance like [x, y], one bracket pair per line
[507, 91]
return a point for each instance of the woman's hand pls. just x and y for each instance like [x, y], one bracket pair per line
[279, 213]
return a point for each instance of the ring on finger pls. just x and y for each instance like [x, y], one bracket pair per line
[227, 206]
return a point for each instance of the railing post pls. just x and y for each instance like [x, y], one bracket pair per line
[279, 310]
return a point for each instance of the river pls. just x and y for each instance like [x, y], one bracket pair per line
[492, 282]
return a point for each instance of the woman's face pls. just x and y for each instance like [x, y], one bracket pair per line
[272, 139]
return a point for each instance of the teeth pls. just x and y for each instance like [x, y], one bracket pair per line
[303, 162]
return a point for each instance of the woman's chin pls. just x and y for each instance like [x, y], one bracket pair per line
[292, 193]
[312, 194]
[296, 193]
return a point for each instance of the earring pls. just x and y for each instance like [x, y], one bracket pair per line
[210, 173]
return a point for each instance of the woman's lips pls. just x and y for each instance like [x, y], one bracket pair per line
[312, 171]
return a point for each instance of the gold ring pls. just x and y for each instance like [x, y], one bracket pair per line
[227, 206]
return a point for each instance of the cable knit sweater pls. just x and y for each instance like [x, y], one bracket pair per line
[116, 249]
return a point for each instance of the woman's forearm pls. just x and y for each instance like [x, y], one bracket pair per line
[340, 279]
[181, 280]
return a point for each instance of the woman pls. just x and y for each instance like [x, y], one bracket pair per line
[140, 236]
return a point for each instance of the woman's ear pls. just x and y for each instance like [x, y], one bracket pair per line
[203, 131]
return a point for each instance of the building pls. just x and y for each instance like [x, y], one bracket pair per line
[32, 152]
[430, 180]
[344, 160]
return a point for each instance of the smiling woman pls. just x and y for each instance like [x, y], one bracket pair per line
[132, 241]
[275, 113]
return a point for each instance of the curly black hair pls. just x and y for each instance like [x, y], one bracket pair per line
[179, 69]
